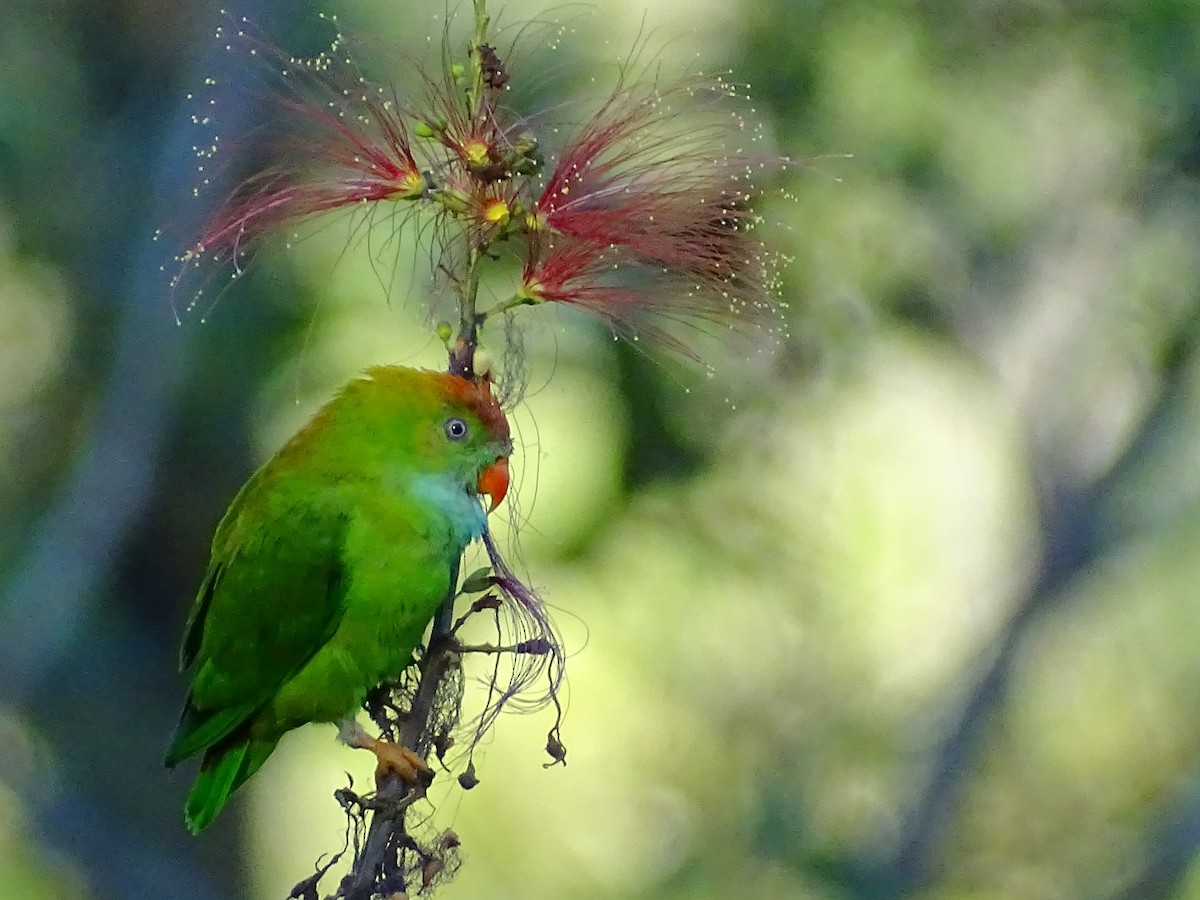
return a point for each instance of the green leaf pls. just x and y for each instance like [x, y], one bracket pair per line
[477, 582]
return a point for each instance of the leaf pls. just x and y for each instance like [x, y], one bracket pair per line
[477, 582]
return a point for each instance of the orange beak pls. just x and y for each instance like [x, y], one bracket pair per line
[493, 481]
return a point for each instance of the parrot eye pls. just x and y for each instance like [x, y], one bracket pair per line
[456, 429]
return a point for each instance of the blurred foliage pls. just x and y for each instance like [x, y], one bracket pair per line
[906, 611]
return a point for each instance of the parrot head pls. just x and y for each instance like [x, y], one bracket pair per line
[475, 422]
[422, 423]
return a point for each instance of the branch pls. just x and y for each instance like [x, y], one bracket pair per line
[379, 869]
[390, 858]
[462, 354]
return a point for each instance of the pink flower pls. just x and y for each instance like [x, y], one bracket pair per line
[346, 162]
[332, 142]
[336, 142]
[649, 209]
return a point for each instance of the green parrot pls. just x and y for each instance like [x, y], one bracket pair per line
[328, 566]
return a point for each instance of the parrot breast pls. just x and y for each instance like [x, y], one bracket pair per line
[399, 559]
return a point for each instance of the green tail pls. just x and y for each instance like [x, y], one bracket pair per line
[222, 771]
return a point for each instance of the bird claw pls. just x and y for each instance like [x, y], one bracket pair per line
[391, 758]
[396, 759]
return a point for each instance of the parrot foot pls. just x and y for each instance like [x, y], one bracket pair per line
[392, 758]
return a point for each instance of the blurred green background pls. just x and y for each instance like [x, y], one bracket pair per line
[909, 610]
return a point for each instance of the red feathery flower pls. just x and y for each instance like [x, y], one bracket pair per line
[331, 146]
[610, 282]
[335, 142]
[647, 208]
[646, 188]
[570, 271]
[353, 161]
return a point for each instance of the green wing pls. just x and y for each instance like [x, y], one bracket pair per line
[273, 595]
